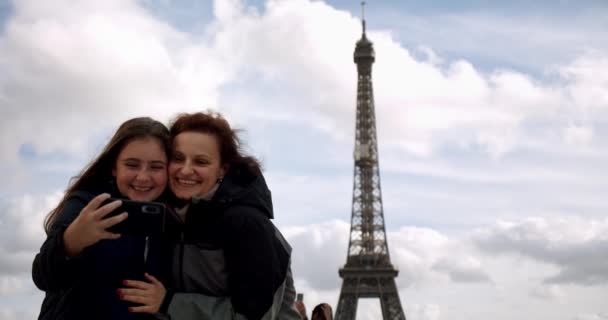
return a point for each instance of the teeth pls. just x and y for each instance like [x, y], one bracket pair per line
[142, 188]
[187, 182]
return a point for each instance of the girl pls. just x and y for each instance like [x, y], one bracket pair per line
[82, 264]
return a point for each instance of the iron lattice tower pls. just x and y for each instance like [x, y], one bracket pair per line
[368, 272]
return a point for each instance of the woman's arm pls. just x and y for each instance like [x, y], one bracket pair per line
[78, 226]
[258, 261]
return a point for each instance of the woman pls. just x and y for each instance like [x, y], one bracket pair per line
[322, 312]
[230, 262]
[82, 264]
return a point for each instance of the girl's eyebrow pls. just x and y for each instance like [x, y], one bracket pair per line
[139, 160]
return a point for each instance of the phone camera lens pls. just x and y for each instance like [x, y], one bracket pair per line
[150, 209]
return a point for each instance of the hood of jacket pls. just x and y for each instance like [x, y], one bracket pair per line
[244, 189]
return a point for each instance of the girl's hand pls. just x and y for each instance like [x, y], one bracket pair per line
[149, 294]
[90, 226]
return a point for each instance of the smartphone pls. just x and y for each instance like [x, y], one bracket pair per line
[300, 297]
[145, 218]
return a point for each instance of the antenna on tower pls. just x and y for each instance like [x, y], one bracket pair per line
[363, 15]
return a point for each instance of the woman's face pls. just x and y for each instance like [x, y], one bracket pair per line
[195, 165]
[141, 169]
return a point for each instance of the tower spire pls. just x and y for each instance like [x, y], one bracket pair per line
[363, 16]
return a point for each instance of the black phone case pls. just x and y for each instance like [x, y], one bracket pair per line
[145, 218]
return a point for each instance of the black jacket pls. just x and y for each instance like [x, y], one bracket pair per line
[84, 287]
[230, 261]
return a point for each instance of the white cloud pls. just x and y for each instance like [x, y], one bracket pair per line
[300, 198]
[588, 82]
[10, 285]
[573, 245]
[67, 65]
[549, 292]
[424, 312]
[21, 235]
[16, 312]
[15, 262]
[578, 135]
[369, 308]
[8, 314]
[21, 223]
[414, 250]
[465, 269]
[592, 316]
[317, 249]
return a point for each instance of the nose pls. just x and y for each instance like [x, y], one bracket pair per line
[186, 168]
[143, 174]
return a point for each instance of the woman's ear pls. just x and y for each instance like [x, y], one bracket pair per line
[223, 170]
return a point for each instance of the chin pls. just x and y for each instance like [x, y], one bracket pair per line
[144, 197]
[184, 196]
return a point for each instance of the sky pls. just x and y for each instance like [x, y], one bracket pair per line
[491, 120]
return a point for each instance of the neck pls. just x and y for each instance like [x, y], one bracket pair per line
[207, 196]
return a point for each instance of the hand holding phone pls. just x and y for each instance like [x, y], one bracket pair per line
[299, 304]
[145, 218]
[90, 226]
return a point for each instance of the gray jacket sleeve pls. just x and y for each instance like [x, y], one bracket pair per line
[190, 306]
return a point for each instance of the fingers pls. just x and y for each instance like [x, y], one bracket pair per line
[96, 202]
[109, 235]
[103, 211]
[111, 221]
[142, 309]
[135, 299]
[138, 284]
[125, 292]
[149, 295]
[153, 280]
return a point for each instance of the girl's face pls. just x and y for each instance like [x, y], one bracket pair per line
[141, 169]
[195, 165]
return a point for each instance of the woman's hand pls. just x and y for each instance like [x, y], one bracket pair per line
[149, 294]
[90, 226]
[301, 309]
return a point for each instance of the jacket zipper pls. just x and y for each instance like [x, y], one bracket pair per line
[146, 248]
[181, 260]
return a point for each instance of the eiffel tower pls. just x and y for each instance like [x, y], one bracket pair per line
[368, 272]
